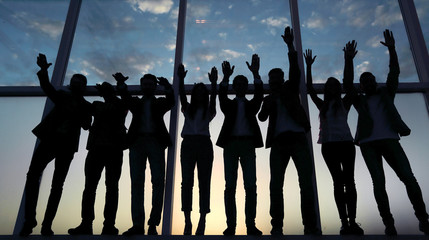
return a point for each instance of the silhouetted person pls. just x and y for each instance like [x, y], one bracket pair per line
[378, 129]
[338, 149]
[106, 142]
[59, 134]
[197, 148]
[239, 136]
[147, 138]
[287, 127]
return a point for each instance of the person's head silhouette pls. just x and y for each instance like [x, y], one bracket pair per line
[276, 79]
[200, 95]
[106, 90]
[148, 84]
[332, 88]
[240, 85]
[77, 84]
[367, 83]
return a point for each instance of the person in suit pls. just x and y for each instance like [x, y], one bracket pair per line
[59, 134]
[147, 139]
[239, 136]
[378, 132]
[286, 136]
[338, 149]
[106, 142]
[197, 148]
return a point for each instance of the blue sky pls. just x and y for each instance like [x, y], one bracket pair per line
[138, 36]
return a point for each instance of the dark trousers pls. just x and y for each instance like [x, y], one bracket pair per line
[98, 159]
[144, 148]
[196, 151]
[284, 147]
[240, 150]
[394, 155]
[340, 159]
[44, 154]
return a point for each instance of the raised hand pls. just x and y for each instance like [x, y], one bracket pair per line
[254, 67]
[288, 36]
[308, 56]
[389, 40]
[42, 62]
[163, 82]
[119, 77]
[350, 50]
[227, 69]
[213, 75]
[181, 73]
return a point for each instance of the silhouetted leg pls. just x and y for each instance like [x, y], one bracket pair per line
[398, 161]
[205, 166]
[304, 166]
[279, 159]
[62, 165]
[138, 158]
[113, 174]
[188, 160]
[372, 156]
[94, 165]
[230, 159]
[348, 163]
[157, 169]
[43, 154]
[248, 164]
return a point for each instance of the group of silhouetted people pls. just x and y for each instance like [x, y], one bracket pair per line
[378, 132]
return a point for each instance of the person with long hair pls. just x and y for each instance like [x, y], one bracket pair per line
[338, 149]
[197, 147]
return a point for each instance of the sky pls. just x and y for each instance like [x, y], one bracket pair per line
[138, 36]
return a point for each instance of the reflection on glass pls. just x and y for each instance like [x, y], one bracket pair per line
[415, 147]
[28, 28]
[422, 8]
[234, 30]
[19, 117]
[327, 26]
[132, 37]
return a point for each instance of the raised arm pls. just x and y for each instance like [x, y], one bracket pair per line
[258, 95]
[169, 93]
[349, 54]
[122, 87]
[227, 71]
[213, 80]
[43, 76]
[294, 72]
[181, 74]
[393, 75]
[309, 60]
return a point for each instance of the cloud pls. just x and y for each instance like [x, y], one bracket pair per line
[46, 26]
[318, 22]
[374, 41]
[229, 54]
[223, 35]
[152, 6]
[275, 22]
[199, 10]
[386, 15]
[363, 67]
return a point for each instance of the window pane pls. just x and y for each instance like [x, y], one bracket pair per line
[19, 117]
[234, 30]
[422, 8]
[132, 37]
[415, 147]
[327, 26]
[28, 28]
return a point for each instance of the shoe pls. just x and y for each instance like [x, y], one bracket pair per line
[312, 231]
[188, 228]
[46, 231]
[109, 230]
[229, 231]
[390, 230]
[27, 228]
[277, 231]
[252, 230]
[82, 229]
[201, 228]
[152, 230]
[355, 229]
[134, 230]
[345, 230]
[424, 227]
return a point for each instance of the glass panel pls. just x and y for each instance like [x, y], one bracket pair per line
[28, 28]
[422, 8]
[19, 116]
[416, 149]
[327, 26]
[133, 37]
[216, 219]
[69, 210]
[234, 30]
